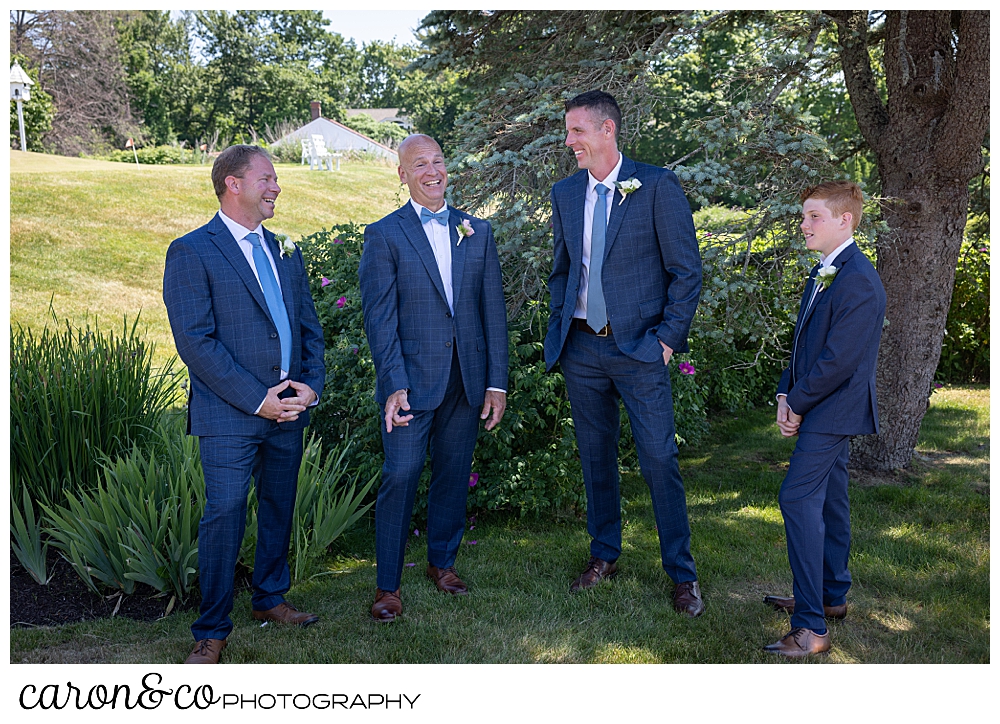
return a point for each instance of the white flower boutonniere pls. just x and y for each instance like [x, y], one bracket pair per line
[464, 230]
[285, 245]
[627, 187]
[825, 276]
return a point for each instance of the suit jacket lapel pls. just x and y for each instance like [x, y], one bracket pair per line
[619, 204]
[230, 249]
[284, 276]
[457, 255]
[838, 263]
[414, 231]
[576, 195]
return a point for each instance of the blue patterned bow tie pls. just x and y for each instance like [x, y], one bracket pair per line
[441, 216]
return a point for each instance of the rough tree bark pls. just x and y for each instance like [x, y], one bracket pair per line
[927, 139]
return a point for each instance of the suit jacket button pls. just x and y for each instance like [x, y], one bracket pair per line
[448, 315]
[273, 335]
[447, 344]
[276, 368]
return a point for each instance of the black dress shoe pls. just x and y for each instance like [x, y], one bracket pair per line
[800, 642]
[597, 570]
[781, 603]
[687, 599]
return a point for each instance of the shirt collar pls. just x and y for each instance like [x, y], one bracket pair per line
[611, 179]
[417, 207]
[828, 260]
[239, 231]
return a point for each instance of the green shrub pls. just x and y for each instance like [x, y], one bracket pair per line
[141, 522]
[529, 464]
[78, 394]
[157, 155]
[965, 355]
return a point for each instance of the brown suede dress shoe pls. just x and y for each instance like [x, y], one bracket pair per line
[285, 612]
[447, 580]
[800, 642]
[687, 599]
[597, 570]
[781, 603]
[387, 605]
[206, 651]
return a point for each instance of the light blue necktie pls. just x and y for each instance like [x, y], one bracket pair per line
[272, 295]
[597, 312]
[441, 216]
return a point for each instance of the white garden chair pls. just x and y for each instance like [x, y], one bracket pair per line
[321, 157]
[306, 150]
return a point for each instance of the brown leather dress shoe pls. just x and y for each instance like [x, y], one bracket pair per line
[597, 570]
[687, 599]
[447, 580]
[206, 651]
[387, 605]
[285, 612]
[800, 642]
[781, 603]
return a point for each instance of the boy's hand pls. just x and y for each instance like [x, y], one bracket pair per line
[788, 421]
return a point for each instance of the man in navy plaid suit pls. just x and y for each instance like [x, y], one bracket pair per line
[625, 283]
[436, 322]
[244, 324]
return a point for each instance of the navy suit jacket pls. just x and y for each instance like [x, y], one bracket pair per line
[225, 335]
[831, 377]
[411, 331]
[652, 268]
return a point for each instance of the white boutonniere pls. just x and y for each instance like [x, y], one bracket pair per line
[464, 230]
[285, 245]
[825, 276]
[627, 187]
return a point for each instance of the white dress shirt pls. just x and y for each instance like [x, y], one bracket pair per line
[439, 237]
[589, 203]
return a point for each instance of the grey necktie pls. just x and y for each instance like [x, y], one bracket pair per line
[597, 312]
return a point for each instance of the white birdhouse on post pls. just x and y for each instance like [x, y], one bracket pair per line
[20, 90]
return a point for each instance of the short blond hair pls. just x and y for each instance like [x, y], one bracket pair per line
[841, 197]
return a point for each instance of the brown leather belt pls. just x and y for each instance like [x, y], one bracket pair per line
[581, 324]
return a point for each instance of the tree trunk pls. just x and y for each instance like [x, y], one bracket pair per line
[927, 139]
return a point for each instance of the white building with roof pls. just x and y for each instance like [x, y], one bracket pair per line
[338, 137]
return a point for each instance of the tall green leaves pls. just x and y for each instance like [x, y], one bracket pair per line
[77, 393]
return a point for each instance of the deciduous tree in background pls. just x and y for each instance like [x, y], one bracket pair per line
[927, 136]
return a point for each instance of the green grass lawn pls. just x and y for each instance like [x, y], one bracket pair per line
[92, 235]
[920, 562]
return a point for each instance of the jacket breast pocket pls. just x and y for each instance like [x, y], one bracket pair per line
[651, 308]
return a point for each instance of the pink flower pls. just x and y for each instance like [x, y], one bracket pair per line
[686, 368]
[341, 302]
[471, 542]
[416, 532]
[323, 281]
[473, 479]
[938, 385]
[410, 565]
[464, 230]
[354, 350]
[472, 527]
[338, 241]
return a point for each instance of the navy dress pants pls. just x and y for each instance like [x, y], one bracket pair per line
[450, 432]
[229, 461]
[598, 374]
[817, 515]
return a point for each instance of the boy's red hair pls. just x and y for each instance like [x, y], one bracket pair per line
[841, 197]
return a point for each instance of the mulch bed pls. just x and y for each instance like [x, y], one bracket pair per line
[66, 598]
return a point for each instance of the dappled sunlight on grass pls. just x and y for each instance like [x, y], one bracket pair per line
[768, 514]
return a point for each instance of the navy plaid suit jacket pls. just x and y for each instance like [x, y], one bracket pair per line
[652, 267]
[224, 333]
[831, 377]
[410, 329]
